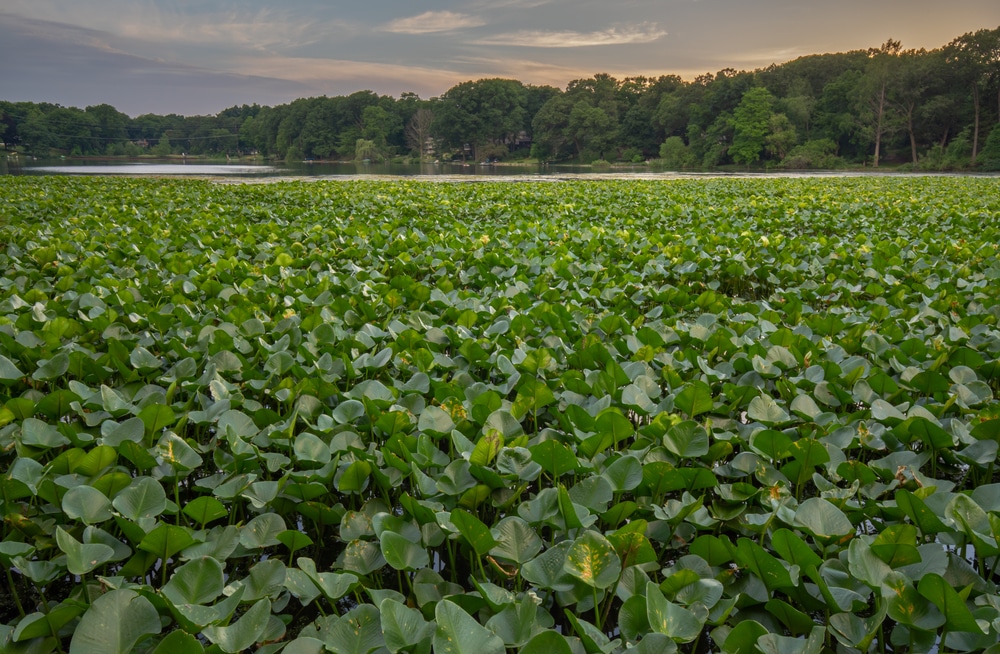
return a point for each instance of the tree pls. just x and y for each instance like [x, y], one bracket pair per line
[675, 154]
[365, 149]
[418, 130]
[162, 148]
[975, 58]
[481, 112]
[912, 81]
[549, 127]
[873, 93]
[378, 125]
[591, 129]
[781, 136]
[751, 124]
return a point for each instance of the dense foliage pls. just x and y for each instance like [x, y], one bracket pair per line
[732, 414]
[932, 110]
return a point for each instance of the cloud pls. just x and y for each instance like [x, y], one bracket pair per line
[432, 21]
[629, 35]
[342, 77]
[44, 62]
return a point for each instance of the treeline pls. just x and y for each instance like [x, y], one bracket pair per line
[937, 109]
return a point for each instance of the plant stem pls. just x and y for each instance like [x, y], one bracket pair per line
[13, 592]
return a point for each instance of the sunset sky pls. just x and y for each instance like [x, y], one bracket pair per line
[199, 57]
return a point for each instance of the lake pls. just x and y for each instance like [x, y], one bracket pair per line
[296, 169]
[248, 169]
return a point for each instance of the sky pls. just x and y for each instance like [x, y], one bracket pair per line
[197, 57]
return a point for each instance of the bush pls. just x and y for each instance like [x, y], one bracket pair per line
[674, 153]
[818, 153]
[989, 158]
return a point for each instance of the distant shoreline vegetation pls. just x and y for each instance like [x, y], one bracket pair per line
[915, 109]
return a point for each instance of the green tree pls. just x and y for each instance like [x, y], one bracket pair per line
[377, 125]
[481, 112]
[675, 153]
[549, 128]
[751, 124]
[162, 148]
[975, 60]
[365, 149]
[781, 136]
[873, 94]
[591, 129]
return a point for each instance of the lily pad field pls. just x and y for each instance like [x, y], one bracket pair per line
[548, 417]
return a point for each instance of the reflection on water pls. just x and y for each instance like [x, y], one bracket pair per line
[344, 170]
[297, 169]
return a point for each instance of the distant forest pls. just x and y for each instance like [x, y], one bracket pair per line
[932, 110]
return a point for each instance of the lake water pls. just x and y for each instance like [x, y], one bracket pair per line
[248, 169]
[297, 169]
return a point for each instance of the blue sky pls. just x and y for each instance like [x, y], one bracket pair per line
[199, 57]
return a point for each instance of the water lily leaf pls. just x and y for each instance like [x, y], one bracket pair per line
[42, 625]
[796, 621]
[36, 433]
[243, 633]
[670, 619]
[81, 558]
[143, 499]
[765, 410]
[532, 395]
[687, 440]
[53, 368]
[359, 631]
[435, 420]
[166, 540]
[114, 624]
[694, 399]
[487, 448]
[87, 504]
[459, 633]
[743, 638]
[632, 619]
[865, 565]
[554, 457]
[774, 644]
[516, 623]
[262, 531]
[179, 642]
[9, 372]
[614, 425]
[548, 569]
[767, 568]
[915, 508]
[624, 473]
[198, 581]
[355, 477]
[363, 557]
[957, 615]
[176, 452]
[405, 629]
[156, 417]
[402, 553]
[474, 531]
[794, 550]
[593, 560]
[205, 509]
[547, 642]
[909, 607]
[896, 545]
[823, 519]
